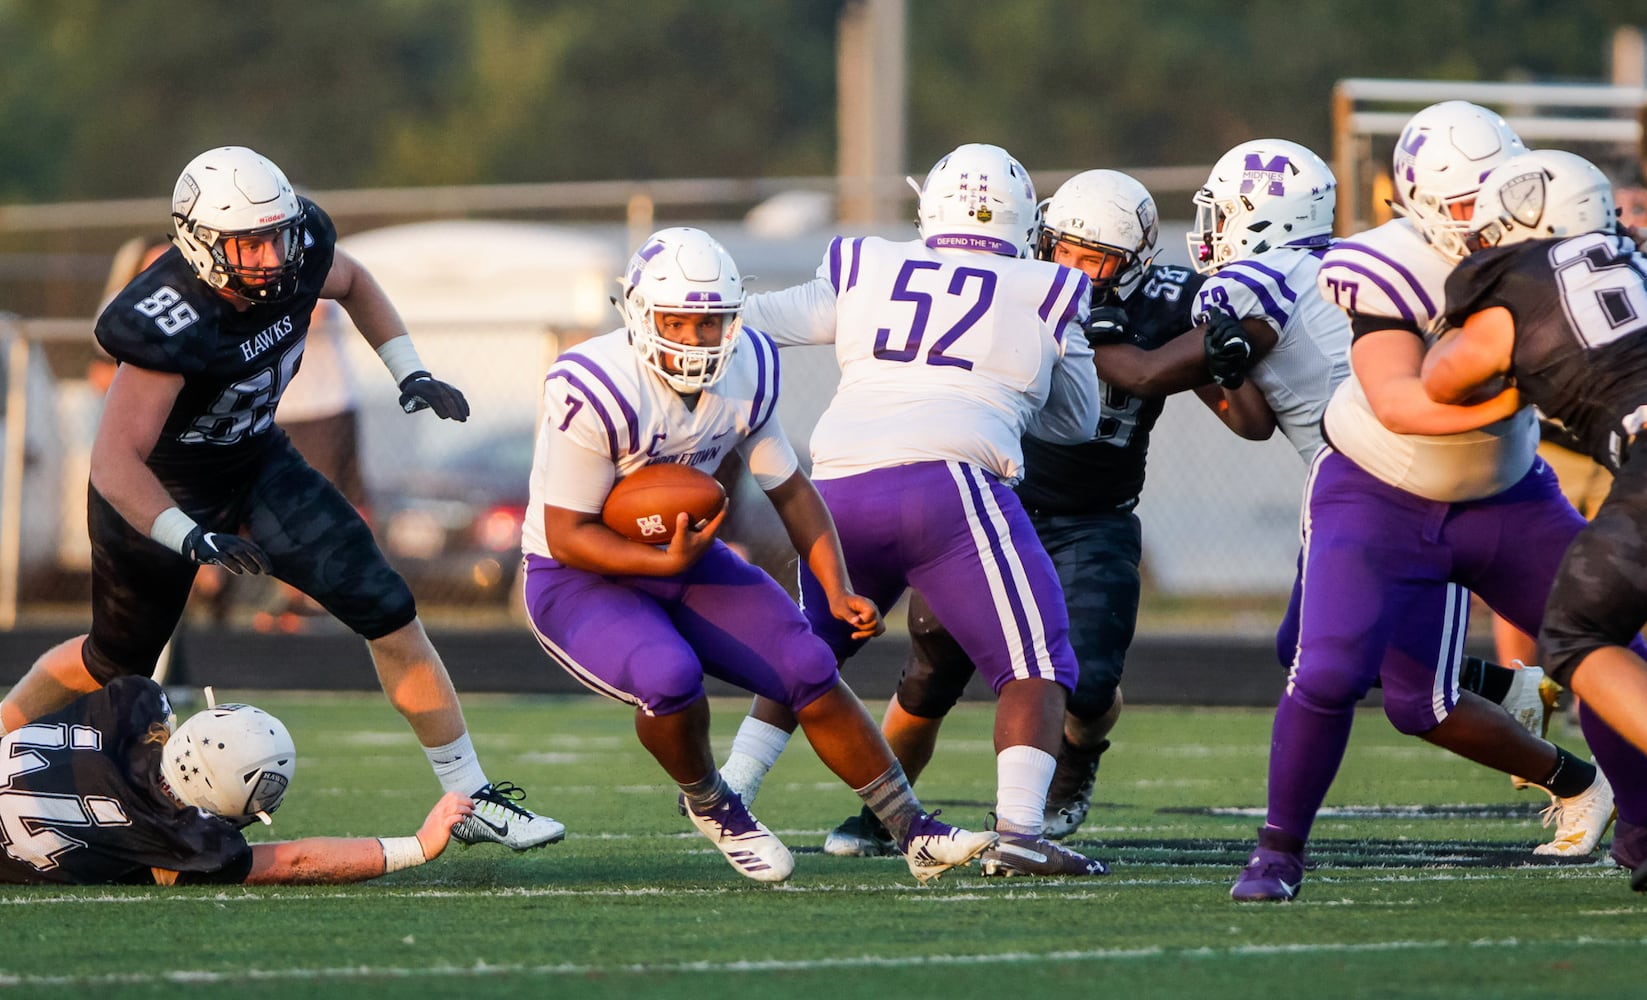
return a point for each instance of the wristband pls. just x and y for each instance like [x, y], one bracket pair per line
[400, 357]
[401, 852]
[172, 528]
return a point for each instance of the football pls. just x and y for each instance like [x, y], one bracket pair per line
[643, 505]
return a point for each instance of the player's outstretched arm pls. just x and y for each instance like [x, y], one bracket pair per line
[380, 324]
[332, 860]
[1243, 410]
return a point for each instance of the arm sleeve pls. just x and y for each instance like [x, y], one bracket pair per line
[1071, 413]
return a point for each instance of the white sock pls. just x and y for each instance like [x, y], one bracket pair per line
[457, 766]
[755, 750]
[1022, 774]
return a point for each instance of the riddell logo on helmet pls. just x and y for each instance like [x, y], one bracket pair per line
[272, 218]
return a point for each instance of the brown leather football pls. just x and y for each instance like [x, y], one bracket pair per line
[643, 505]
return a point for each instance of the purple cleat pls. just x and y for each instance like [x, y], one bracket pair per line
[1274, 872]
[1630, 851]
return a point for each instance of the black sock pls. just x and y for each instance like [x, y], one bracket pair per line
[705, 795]
[1569, 777]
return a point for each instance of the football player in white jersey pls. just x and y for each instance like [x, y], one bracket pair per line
[951, 348]
[1406, 507]
[686, 382]
[1081, 498]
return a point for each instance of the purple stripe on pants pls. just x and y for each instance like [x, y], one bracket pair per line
[962, 539]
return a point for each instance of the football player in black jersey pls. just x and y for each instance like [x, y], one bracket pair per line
[106, 792]
[189, 469]
[1080, 497]
[1554, 298]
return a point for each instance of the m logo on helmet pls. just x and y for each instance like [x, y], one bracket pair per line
[1407, 151]
[1266, 172]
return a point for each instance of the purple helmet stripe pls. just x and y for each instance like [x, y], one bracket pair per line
[972, 241]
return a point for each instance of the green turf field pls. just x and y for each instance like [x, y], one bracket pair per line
[1424, 885]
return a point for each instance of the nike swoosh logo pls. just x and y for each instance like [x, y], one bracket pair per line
[717, 437]
[502, 831]
[1291, 889]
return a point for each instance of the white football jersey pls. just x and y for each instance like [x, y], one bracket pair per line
[607, 414]
[945, 355]
[1311, 355]
[1392, 272]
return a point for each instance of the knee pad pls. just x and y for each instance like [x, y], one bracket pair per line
[934, 678]
[1094, 693]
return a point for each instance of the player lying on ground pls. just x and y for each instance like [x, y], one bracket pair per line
[189, 469]
[105, 791]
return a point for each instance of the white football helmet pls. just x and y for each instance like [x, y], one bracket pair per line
[233, 761]
[1440, 160]
[230, 194]
[1262, 194]
[1539, 195]
[1107, 212]
[682, 271]
[978, 198]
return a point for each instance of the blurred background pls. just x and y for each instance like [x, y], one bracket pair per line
[494, 163]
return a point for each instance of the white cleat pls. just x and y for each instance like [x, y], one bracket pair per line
[1579, 821]
[934, 847]
[749, 846]
[498, 819]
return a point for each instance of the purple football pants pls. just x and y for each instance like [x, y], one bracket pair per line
[1384, 599]
[648, 640]
[961, 538]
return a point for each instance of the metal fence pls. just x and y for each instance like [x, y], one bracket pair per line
[446, 499]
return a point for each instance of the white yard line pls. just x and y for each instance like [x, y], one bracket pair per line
[482, 969]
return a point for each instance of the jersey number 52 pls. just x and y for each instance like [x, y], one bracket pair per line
[977, 283]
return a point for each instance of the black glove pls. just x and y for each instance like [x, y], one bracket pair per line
[420, 390]
[1107, 325]
[218, 548]
[1229, 352]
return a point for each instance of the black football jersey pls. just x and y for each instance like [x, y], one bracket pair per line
[1580, 308]
[81, 803]
[1107, 473]
[234, 364]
